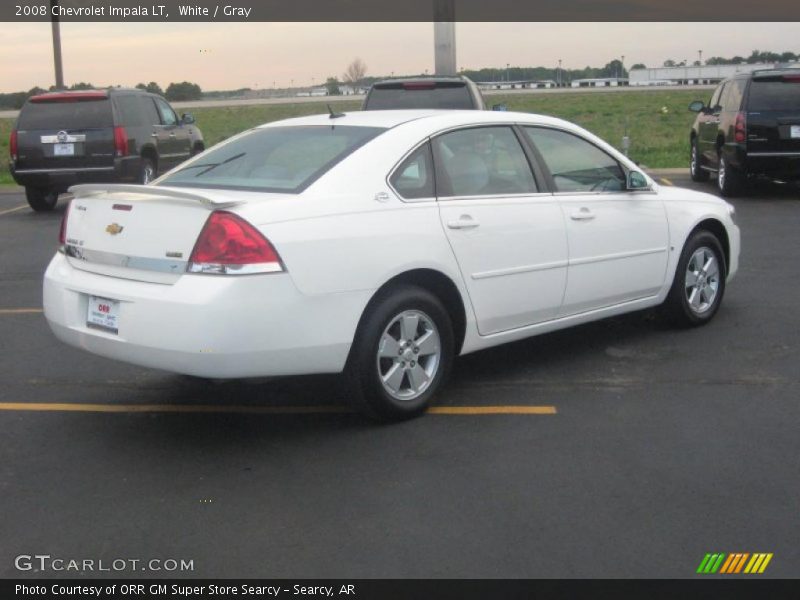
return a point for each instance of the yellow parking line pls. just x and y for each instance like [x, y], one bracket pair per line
[271, 410]
[666, 181]
[11, 210]
[20, 311]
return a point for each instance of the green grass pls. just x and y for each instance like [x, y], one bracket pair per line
[658, 139]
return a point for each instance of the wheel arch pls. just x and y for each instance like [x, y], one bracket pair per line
[437, 283]
[717, 228]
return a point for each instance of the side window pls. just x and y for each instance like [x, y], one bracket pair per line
[129, 109]
[481, 162]
[714, 103]
[168, 116]
[414, 178]
[576, 164]
[149, 110]
[732, 98]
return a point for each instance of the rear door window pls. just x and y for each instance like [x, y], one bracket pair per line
[273, 159]
[780, 94]
[130, 111]
[414, 177]
[482, 161]
[168, 116]
[732, 98]
[150, 111]
[71, 114]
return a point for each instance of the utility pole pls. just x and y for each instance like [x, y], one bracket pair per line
[444, 37]
[558, 79]
[57, 45]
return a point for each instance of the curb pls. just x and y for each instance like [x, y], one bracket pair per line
[671, 171]
[11, 189]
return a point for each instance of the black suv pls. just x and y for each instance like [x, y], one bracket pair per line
[751, 126]
[64, 138]
[424, 92]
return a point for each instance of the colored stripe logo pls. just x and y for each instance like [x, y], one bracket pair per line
[737, 562]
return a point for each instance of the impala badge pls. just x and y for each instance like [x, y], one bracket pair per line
[114, 228]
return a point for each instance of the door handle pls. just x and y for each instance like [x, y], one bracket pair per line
[584, 214]
[463, 222]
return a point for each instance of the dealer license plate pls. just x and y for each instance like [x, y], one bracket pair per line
[103, 313]
[64, 150]
[795, 132]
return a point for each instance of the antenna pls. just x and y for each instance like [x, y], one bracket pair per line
[334, 115]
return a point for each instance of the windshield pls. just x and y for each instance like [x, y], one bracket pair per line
[273, 159]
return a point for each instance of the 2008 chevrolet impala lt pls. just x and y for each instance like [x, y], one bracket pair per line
[381, 244]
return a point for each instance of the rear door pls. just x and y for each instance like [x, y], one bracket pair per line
[773, 115]
[507, 233]
[173, 147]
[68, 132]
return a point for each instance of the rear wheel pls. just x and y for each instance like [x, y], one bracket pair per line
[699, 282]
[147, 172]
[401, 355]
[41, 199]
[729, 180]
[696, 169]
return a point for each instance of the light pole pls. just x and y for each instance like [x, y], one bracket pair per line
[558, 78]
[507, 78]
[57, 45]
[622, 68]
[700, 57]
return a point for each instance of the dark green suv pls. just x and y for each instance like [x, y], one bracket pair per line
[751, 126]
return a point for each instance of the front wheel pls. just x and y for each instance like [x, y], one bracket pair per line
[41, 199]
[402, 354]
[699, 282]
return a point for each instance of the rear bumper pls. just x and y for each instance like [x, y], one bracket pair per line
[780, 165]
[124, 169]
[205, 325]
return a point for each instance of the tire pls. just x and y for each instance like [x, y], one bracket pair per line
[391, 381]
[729, 180]
[696, 292]
[197, 149]
[696, 169]
[147, 171]
[41, 199]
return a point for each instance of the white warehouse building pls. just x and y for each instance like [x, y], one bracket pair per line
[691, 75]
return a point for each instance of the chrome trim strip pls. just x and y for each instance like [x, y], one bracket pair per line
[773, 154]
[53, 139]
[161, 265]
[522, 196]
[220, 269]
[618, 256]
[523, 269]
[60, 170]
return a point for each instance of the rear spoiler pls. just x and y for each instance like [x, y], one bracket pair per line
[87, 190]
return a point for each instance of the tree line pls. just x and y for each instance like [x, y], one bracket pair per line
[177, 92]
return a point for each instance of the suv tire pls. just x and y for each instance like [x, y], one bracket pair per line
[696, 169]
[147, 171]
[41, 199]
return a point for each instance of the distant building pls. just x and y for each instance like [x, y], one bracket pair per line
[695, 75]
[600, 82]
[516, 85]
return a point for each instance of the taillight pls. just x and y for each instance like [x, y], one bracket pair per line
[120, 141]
[12, 145]
[62, 233]
[740, 128]
[229, 245]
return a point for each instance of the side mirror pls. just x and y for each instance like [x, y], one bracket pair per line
[187, 118]
[636, 182]
[697, 106]
[500, 107]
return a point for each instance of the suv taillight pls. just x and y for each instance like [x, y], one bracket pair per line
[740, 128]
[12, 145]
[62, 233]
[229, 245]
[120, 141]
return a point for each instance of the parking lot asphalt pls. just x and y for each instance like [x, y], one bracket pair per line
[662, 445]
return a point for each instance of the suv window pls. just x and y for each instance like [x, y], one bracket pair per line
[390, 96]
[71, 114]
[130, 111]
[168, 116]
[576, 164]
[482, 161]
[714, 102]
[732, 97]
[414, 178]
[783, 94]
[149, 109]
[273, 159]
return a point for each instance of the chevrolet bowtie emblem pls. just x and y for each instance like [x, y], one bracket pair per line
[114, 228]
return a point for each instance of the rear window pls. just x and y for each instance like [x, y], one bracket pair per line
[775, 95]
[395, 96]
[273, 159]
[81, 114]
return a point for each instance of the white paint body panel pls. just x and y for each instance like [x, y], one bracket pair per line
[340, 245]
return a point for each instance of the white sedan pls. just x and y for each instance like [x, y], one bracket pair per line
[381, 244]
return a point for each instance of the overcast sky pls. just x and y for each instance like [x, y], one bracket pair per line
[233, 55]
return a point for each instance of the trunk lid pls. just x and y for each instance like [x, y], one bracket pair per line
[773, 117]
